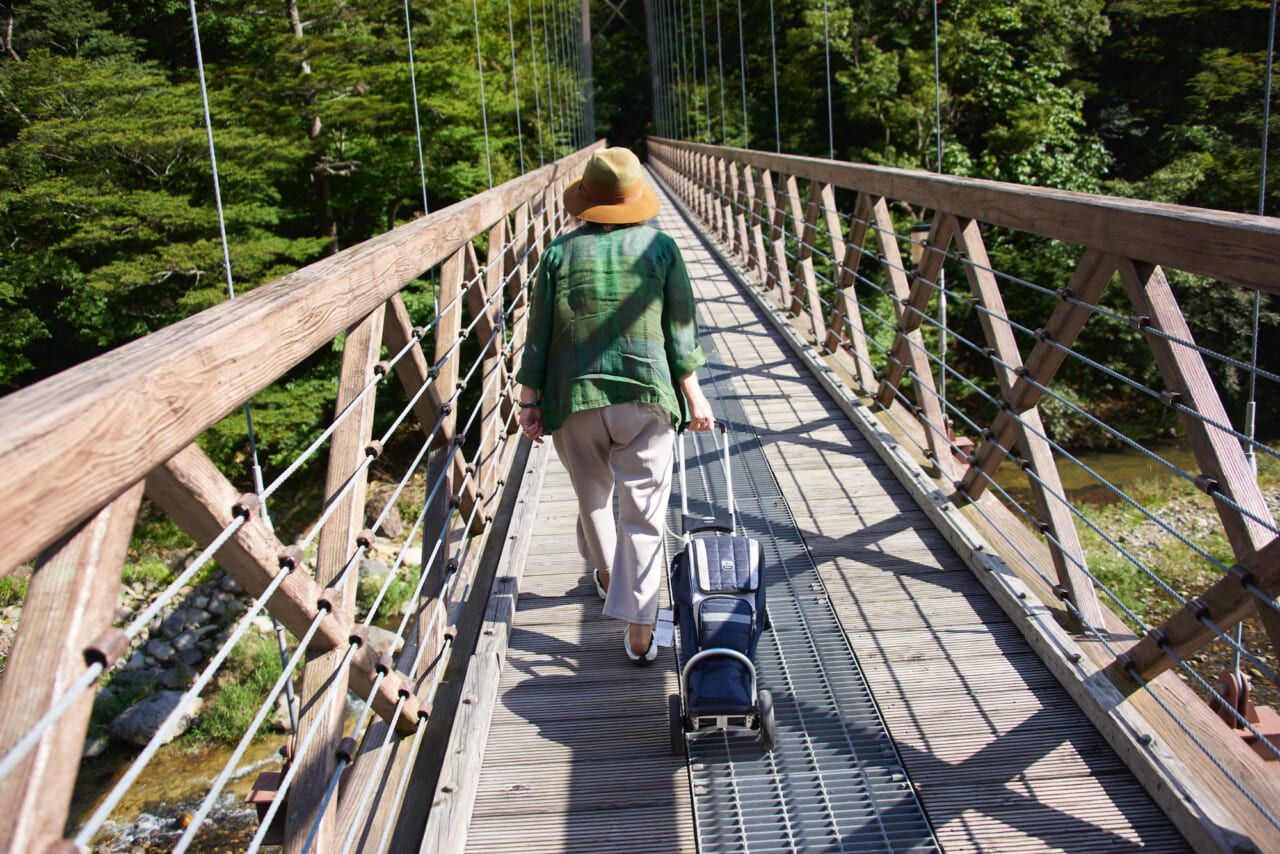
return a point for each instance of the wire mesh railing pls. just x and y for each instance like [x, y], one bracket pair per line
[1035, 352]
[385, 639]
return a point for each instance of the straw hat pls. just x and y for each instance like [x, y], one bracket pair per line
[611, 190]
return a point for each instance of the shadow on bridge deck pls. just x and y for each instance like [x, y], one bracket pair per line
[577, 755]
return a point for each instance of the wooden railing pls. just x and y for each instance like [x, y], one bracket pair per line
[79, 450]
[820, 241]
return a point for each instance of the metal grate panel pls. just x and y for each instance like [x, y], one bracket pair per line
[834, 782]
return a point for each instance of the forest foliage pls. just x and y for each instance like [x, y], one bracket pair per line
[107, 203]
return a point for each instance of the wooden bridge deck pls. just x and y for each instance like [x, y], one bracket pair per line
[577, 755]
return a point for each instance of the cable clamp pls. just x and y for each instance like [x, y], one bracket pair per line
[107, 648]
[1139, 321]
[247, 506]
[1159, 637]
[291, 558]
[1042, 334]
[1061, 591]
[1244, 576]
[1064, 294]
[1169, 397]
[1199, 609]
[382, 368]
[373, 449]
[1206, 484]
[365, 538]
[346, 750]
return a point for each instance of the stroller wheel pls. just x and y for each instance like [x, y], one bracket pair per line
[768, 727]
[675, 723]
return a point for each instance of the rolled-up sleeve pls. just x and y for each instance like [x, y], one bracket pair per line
[533, 363]
[680, 319]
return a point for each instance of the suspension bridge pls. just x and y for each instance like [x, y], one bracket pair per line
[951, 672]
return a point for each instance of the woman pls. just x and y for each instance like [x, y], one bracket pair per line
[612, 334]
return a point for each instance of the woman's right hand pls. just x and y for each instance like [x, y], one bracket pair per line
[700, 417]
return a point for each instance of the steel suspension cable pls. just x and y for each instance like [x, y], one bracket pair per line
[551, 99]
[537, 97]
[417, 121]
[773, 51]
[484, 109]
[515, 83]
[1252, 406]
[724, 128]
[826, 52]
[742, 76]
[706, 75]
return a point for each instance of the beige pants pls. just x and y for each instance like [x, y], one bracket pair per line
[628, 447]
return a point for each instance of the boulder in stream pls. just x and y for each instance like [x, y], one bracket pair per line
[140, 722]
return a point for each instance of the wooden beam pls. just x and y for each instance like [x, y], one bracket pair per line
[1046, 484]
[192, 492]
[70, 601]
[1065, 323]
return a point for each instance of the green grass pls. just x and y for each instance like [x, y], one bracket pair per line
[247, 677]
[1181, 567]
[12, 591]
[398, 592]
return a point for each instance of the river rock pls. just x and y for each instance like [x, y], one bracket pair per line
[160, 650]
[382, 641]
[216, 606]
[196, 617]
[374, 567]
[230, 585]
[392, 525]
[190, 656]
[141, 721]
[174, 623]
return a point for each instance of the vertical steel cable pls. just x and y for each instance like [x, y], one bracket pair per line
[724, 128]
[515, 83]
[684, 71]
[1252, 405]
[675, 43]
[773, 50]
[484, 109]
[551, 100]
[826, 51]
[417, 121]
[537, 98]
[742, 72]
[565, 109]
[693, 76]
[942, 274]
[706, 75]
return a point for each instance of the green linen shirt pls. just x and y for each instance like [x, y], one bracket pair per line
[611, 320]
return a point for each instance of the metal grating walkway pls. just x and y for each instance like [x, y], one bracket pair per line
[834, 782]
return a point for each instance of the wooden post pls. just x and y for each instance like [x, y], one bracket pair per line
[71, 599]
[1217, 451]
[909, 342]
[1046, 485]
[806, 294]
[361, 351]
[1063, 327]
[847, 308]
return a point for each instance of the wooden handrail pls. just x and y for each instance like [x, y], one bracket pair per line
[1236, 248]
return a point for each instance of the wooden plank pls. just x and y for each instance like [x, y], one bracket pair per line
[70, 600]
[413, 371]
[50, 456]
[322, 672]
[1231, 247]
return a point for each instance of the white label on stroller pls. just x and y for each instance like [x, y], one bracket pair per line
[727, 566]
[665, 631]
